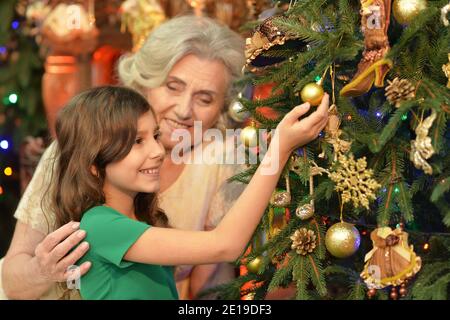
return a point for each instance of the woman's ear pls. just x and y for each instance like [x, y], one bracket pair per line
[94, 171]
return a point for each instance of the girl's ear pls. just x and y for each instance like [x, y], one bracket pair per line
[94, 171]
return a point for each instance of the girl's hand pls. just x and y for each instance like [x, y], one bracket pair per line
[293, 133]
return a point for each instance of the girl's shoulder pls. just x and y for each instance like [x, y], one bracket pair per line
[98, 214]
[100, 209]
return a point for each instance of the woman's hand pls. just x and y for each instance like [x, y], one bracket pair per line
[293, 133]
[35, 261]
[52, 257]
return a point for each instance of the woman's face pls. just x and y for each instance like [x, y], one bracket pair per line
[139, 170]
[194, 90]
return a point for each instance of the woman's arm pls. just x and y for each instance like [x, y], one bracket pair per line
[35, 262]
[200, 278]
[227, 241]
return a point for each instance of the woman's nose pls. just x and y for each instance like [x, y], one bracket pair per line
[183, 108]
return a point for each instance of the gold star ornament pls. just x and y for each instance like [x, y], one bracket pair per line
[354, 181]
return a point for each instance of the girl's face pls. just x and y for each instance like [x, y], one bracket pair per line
[194, 90]
[139, 170]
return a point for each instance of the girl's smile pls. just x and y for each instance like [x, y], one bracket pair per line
[151, 172]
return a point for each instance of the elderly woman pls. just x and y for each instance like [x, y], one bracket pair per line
[185, 69]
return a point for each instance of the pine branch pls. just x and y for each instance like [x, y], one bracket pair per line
[442, 187]
[391, 128]
[281, 275]
[317, 275]
[430, 280]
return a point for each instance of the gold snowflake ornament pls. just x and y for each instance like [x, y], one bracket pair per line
[355, 181]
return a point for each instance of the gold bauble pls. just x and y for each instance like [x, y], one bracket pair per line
[255, 265]
[342, 240]
[405, 11]
[312, 93]
[249, 136]
[237, 113]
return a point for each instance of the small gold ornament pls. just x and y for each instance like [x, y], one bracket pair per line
[398, 91]
[446, 69]
[342, 240]
[236, 111]
[333, 134]
[406, 10]
[421, 148]
[355, 181]
[249, 136]
[332, 131]
[282, 199]
[303, 241]
[305, 212]
[255, 265]
[312, 93]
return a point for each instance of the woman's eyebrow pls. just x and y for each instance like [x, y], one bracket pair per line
[213, 93]
[203, 91]
[173, 78]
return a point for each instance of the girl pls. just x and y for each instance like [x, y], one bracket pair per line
[107, 173]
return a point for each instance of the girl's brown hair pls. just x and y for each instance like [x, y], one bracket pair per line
[95, 128]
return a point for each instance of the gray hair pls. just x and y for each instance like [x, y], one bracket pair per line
[173, 40]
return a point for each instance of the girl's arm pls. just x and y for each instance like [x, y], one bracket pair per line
[228, 240]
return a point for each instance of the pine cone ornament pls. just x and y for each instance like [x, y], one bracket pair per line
[303, 241]
[399, 90]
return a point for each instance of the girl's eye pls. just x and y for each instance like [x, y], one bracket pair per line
[157, 136]
[139, 140]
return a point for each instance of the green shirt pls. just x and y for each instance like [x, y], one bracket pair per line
[110, 234]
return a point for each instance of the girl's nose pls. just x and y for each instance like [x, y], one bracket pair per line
[157, 150]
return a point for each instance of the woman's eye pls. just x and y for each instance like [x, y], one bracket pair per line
[172, 86]
[157, 136]
[205, 100]
[139, 140]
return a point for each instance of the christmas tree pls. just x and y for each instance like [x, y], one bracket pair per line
[21, 110]
[338, 226]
